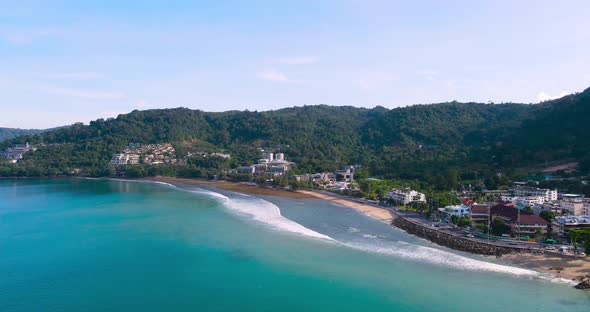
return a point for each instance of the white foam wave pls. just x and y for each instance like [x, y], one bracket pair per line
[208, 193]
[139, 181]
[162, 183]
[257, 208]
[441, 257]
[561, 280]
[353, 230]
[369, 236]
[269, 214]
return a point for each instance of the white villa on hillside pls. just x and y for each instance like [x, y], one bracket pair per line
[405, 196]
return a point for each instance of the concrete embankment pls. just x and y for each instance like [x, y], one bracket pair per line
[454, 241]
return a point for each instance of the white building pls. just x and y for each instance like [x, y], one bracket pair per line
[547, 206]
[527, 201]
[269, 156]
[222, 155]
[573, 206]
[524, 191]
[270, 165]
[405, 196]
[133, 159]
[246, 170]
[119, 159]
[458, 210]
[124, 159]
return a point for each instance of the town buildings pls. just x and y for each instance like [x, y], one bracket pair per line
[525, 191]
[345, 175]
[560, 224]
[527, 196]
[124, 159]
[149, 154]
[405, 196]
[270, 163]
[15, 153]
[548, 206]
[521, 222]
[455, 211]
[573, 206]
[480, 213]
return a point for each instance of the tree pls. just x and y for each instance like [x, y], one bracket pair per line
[135, 171]
[547, 215]
[538, 234]
[499, 227]
[463, 222]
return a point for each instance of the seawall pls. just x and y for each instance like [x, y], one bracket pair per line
[454, 241]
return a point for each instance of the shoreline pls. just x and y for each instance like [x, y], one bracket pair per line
[564, 267]
[555, 265]
[240, 187]
[374, 212]
[377, 213]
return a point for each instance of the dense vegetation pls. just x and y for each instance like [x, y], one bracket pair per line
[438, 145]
[9, 133]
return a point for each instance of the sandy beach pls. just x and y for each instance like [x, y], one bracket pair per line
[371, 211]
[571, 268]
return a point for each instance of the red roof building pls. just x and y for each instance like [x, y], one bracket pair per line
[521, 222]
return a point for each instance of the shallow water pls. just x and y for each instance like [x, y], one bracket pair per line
[97, 245]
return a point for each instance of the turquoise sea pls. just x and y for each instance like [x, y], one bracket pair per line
[100, 245]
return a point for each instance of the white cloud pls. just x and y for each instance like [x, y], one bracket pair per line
[76, 76]
[84, 94]
[543, 96]
[298, 60]
[274, 75]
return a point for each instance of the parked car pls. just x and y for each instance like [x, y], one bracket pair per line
[563, 249]
[470, 235]
[549, 248]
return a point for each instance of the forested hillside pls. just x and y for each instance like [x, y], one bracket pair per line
[9, 133]
[470, 141]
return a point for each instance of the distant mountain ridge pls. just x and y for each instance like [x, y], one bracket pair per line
[414, 142]
[9, 133]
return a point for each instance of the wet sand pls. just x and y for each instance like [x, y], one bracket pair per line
[380, 214]
[566, 267]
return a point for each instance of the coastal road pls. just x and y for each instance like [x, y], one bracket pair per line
[420, 220]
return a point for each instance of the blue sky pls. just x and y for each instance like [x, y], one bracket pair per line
[67, 61]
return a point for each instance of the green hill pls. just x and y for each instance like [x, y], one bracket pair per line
[9, 133]
[424, 142]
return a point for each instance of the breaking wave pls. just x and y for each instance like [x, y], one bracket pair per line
[440, 257]
[261, 211]
[265, 212]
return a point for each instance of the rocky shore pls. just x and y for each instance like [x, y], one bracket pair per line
[454, 242]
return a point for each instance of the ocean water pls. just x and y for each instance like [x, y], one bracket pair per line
[99, 245]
